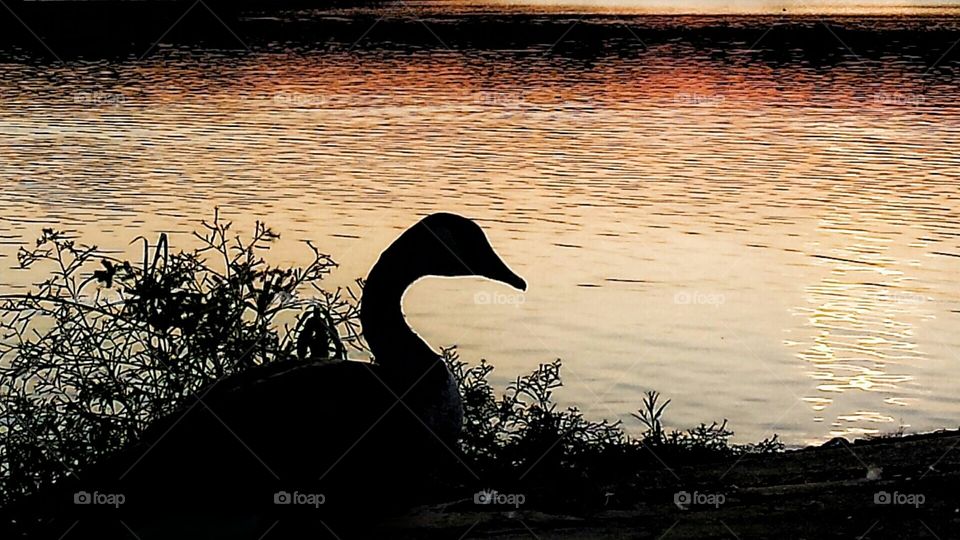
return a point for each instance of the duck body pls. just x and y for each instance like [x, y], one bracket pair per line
[224, 458]
[343, 439]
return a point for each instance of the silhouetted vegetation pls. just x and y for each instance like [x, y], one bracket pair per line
[104, 347]
[523, 440]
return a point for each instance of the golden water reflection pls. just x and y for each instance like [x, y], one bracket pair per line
[742, 236]
[865, 313]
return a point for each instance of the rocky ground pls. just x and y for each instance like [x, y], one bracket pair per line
[898, 487]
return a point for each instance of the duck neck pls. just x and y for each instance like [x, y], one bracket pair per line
[392, 342]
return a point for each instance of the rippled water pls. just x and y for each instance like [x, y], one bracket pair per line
[773, 242]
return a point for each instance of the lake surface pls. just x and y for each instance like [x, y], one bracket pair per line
[760, 234]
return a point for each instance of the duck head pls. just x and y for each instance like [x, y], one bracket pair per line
[453, 246]
[441, 244]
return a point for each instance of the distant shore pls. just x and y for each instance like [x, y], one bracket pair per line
[111, 28]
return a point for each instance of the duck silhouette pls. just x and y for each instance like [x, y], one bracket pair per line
[366, 437]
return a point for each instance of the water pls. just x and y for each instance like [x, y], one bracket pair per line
[760, 235]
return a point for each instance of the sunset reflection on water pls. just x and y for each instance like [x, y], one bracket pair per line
[770, 242]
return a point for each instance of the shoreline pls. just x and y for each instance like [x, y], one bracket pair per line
[830, 491]
[111, 29]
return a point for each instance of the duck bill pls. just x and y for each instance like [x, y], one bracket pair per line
[502, 273]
